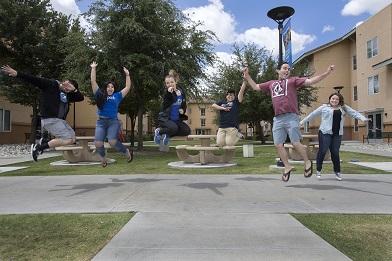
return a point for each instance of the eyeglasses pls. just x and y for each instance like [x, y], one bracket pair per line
[231, 94]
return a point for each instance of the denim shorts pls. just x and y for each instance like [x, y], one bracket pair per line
[107, 127]
[286, 124]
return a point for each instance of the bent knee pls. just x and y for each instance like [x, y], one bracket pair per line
[69, 141]
[98, 144]
[278, 146]
[112, 143]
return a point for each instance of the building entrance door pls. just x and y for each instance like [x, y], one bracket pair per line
[375, 125]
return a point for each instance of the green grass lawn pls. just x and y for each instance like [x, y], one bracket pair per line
[153, 161]
[81, 236]
[57, 236]
[360, 237]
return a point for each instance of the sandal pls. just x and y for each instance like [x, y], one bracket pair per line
[130, 158]
[310, 169]
[104, 163]
[286, 176]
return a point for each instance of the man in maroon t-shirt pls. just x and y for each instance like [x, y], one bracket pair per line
[287, 121]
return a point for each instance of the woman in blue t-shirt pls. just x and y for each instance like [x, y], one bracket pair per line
[172, 116]
[108, 125]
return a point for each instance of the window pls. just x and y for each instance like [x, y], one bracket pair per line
[190, 111]
[203, 122]
[306, 127]
[200, 132]
[190, 121]
[372, 48]
[373, 87]
[355, 93]
[5, 120]
[202, 111]
[355, 125]
[354, 62]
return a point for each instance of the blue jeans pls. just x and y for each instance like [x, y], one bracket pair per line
[109, 128]
[331, 142]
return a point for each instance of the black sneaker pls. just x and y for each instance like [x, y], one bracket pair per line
[43, 140]
[35, 152]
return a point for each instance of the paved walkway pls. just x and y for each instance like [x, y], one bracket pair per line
[210, 217]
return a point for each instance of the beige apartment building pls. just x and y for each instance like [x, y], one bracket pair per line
[363, 67]
[363, 74]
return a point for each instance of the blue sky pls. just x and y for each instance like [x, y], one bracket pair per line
[313, 24]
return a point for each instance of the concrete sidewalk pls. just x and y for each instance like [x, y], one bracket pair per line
[203, 217]
[211, 217]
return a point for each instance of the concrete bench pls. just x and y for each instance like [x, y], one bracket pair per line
[311, 152]
[292, 152]
[71, 153]
[201, 148]
[205, 154]
[106, 146]
[68, 148]
[75, 154]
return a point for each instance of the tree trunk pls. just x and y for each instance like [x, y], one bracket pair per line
[140, 128]
[34, 123]
[133, 120]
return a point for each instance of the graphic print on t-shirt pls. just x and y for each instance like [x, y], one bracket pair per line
[279, 88]
[63, 97]
[110, 97]
[179, 100]
[227, 105]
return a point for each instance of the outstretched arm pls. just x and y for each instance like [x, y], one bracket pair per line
[318, 78]
[250, 80]
[93, 77]
[242, 91]
[39, 82]
[127, 83]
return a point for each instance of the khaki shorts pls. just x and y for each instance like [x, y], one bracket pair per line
[227, 137]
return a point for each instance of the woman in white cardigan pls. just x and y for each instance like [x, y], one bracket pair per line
[331, 129]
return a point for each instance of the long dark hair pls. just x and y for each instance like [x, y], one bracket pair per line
[103, 95]
[341, 99]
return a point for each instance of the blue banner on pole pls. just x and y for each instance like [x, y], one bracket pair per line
[287, 42]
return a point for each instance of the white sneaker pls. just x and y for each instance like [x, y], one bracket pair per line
[338, 175]
[318, 174]
[157, 137]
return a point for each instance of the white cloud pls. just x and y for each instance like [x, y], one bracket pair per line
[68, 7]
[300, 41]
[223, 24]
[266, 37]
[328, 28]
[214, 18]
[357, 7]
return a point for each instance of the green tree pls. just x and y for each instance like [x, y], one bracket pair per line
[30, 34]
[256, 106]
[149, 37]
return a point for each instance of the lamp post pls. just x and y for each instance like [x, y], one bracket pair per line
[279, 14]
[338, 88]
